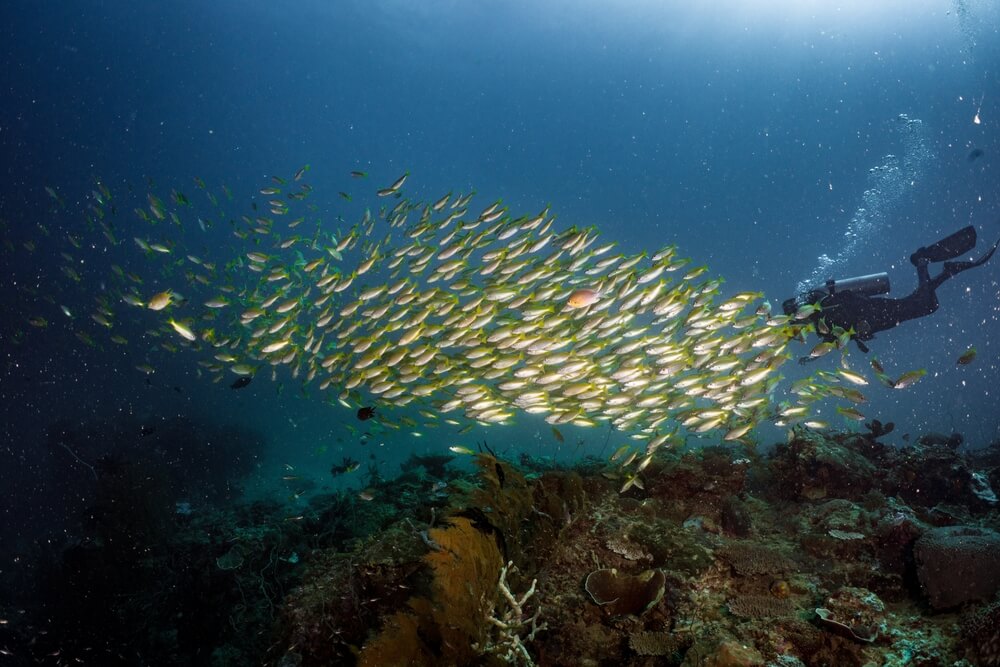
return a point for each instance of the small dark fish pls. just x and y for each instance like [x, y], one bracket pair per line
[146, 430]
[877, 365]
[345, 195]
[967, 356]
[366, 413]
[359, 174]
[241, 382]
[975, 154]
[500, 474]
[347, 465]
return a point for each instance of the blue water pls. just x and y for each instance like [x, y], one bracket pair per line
[746, 135]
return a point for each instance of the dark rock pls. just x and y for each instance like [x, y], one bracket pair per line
[958, 564]
[930, 476]
[985, 457]
[953, 441]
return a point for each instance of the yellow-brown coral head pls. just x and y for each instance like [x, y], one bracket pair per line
[781, 589]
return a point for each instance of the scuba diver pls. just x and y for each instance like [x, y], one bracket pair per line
[856, 305]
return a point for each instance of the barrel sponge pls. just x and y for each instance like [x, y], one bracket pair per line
[958, 564]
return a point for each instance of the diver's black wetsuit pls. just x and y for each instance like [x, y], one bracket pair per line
[870, 314]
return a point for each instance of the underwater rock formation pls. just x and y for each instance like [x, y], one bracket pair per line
[721, 560]
[811, 466]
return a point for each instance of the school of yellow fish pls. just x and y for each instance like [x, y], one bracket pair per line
[459, 308]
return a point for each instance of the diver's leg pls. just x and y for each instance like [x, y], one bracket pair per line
[923, 273]
[949, 247]
[954, 268]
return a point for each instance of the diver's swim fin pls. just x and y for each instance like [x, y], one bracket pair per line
[958, 267]
[951, 247]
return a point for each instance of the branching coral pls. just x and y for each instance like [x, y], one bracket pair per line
[509, 644]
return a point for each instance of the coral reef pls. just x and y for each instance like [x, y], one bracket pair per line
[828, 552]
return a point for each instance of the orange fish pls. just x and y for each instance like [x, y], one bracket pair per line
[582, 298]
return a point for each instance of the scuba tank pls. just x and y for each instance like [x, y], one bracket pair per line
[872, 284]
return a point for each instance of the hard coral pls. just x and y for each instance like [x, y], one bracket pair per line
[855, 613]
[627, 549]
[656, 643]
[749, 558]
[760, 606]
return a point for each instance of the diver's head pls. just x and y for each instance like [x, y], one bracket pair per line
[791, 306]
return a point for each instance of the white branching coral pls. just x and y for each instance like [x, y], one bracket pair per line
[513, 622]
